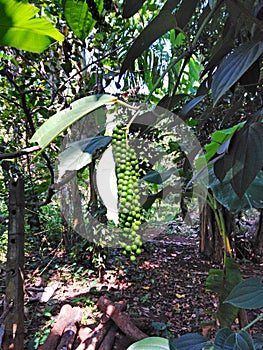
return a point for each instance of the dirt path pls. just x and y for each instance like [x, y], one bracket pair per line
[165, 289]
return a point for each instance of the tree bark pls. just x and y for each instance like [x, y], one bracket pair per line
[66, 317]
[211, 242]
[95, 338]
[121, 318]
[14, 322]
[259, 236]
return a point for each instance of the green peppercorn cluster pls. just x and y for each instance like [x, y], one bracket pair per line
[127, 171]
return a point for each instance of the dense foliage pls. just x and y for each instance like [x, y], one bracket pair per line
[201, 60]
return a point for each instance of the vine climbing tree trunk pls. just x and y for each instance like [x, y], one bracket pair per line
[14, 322]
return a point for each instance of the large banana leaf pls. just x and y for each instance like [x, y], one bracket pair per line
[19, 29]
[63, 119]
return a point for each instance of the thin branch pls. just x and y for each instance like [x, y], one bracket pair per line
[19, 153]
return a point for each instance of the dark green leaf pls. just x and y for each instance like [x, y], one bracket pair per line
[239, 341]
[225, 194]
[248, 294]
[245, 156]
[234, 66]
[63, 119]
[18, 28]
[221, 337]
[258, 341]
[78, 17]
[222, 282]
[185, 12]
[160, 25]
[79, 154]
[219, 137]
[130, 7]
[189, 341]
[159, 178]
[229, 340]
[169, 102]
[190, 105]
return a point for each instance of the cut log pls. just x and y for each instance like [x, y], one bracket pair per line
[66, 317]
[109, 338]
[121, 318]
[68, 337]
[82, 335]
[95, 337]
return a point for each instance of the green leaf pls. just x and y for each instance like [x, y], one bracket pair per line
[191, 105]
[18, 28]
[222, 282]
[225, 194]
[258, 341]
[160, 25]
[219, 137]
[221, 337]
[63, 119]
[234, 66]
[248, 294]
[79, 154]
[229, 340]
[78, 17]
[151, 343]
[189, 341]
[245, 156]
[169, 102]
[159, 178]
[130, 7]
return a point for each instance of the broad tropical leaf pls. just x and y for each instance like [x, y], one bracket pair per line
[63, 119]
[224, 193]
[219, 137]
[79, 17]
[169, 102]
[189, 341]
[258, 341]
[19, 29]
[245, 156]
[191, 105]
[222, 282]
[185, 12]
[223, 47]
[151, 343]
[79, 154]
[159, 178]
[130, 7]
[234, 66]
[248, 294]
[160, 25]
[229, 340]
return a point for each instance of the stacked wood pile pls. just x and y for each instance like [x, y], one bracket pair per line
[115, 330]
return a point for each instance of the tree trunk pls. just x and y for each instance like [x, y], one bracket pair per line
[14, 321]
[259, 236]
[211, 242]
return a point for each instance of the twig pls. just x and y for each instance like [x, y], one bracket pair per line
[19, 153]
